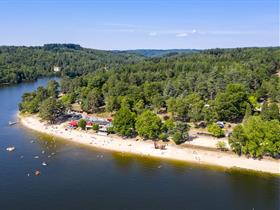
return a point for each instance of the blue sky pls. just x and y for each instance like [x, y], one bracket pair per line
[141, 24]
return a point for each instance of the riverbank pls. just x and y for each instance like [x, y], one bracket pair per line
[146, 148]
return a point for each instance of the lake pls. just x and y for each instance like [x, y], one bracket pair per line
[78, 177]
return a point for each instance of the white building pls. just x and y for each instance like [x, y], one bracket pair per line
[56, 69]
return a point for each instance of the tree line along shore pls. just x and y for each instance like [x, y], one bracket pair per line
[160, 98]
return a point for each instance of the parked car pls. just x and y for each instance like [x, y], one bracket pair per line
[220, 124]
[76, 117]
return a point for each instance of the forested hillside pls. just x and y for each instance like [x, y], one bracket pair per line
[230, 85]
[159, 53]
[19, 64]
[210, 76]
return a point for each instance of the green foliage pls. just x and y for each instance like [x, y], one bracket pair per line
[157, 102]
[180, 132]
[231, 104]
[30, 104]
[248, 111]
[112, 103]
[82, 124]
[186, 108]
[184, 84]
[20, 64]
[95, 127]
[151, 91]
[148, 125]
[124, 121]
[270, 111]
[177, 137]
[163, 136]
[237, 139]
[253, 101]
[52, 88]
[51, 109]
[270, 88]
[209, 113]
[68, 99]
[126, 101]
[168, 126]
[221, 145]
[93, 101]
[215, 130]
[256, 137]
[110, 130]
[31, 101]
[139, 106]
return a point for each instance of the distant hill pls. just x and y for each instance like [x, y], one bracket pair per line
[159, 53]
[21, 63]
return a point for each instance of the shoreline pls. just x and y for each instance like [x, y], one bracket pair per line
[146, 148]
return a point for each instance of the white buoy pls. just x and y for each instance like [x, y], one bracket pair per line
[10, 149]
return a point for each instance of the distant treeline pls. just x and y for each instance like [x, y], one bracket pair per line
[19, 64]
[159, 53]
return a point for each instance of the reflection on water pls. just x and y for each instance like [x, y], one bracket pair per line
[78, 177]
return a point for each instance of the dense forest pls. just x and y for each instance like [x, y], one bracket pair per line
[160, 53]
[19, 64]
[230, 85]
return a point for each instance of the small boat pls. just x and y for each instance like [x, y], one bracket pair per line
[44, 163]
[36, 157]
[37, 173]
[12, 123]
[10, 149]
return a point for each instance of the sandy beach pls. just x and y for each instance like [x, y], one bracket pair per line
[146, 148]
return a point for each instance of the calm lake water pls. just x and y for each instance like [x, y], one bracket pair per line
[78, 177]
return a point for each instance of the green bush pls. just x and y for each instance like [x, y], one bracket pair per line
[180, 132]
[82, 124]
[163, 136]
[95, 127]
[110, 130]
[221, 145]
[215, 130]
[257, 137]
[177, 137]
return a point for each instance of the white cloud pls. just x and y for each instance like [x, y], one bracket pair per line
[193, 31]
[181, 35]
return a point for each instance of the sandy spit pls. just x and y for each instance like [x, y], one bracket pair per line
[146, 148]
